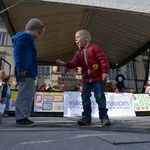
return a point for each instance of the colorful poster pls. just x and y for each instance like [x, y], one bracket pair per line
[58, 98]
[48, 102]
[141, 102]
[13, 100]
[48, 98]
[47, 106]
[57, 106]
[43, 101]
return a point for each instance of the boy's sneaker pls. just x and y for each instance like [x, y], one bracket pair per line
[84, 121]
[106, 122]
[30, 123]
[24, 123]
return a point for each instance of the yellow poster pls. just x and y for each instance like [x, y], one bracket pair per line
[43, 101]
[13, 100]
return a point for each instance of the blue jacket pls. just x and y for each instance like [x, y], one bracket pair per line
[25, 55]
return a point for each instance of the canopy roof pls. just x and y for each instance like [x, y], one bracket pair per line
[121, 34]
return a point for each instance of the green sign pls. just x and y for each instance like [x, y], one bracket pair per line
[141, 102]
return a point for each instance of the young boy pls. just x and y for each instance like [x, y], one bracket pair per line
[25, 57]
[94, 66]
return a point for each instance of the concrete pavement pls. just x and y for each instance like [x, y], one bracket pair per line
[63, 133]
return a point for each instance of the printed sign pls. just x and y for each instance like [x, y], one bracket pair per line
[43, 101]
[48, 102]
[118, 104]
[141, 102]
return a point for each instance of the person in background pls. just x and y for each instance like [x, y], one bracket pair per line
[94, 66]
[147, 90]
[120, 81]
[36, 85]
[6, 94]
[48, 87]
[2, 75]
[25, 57]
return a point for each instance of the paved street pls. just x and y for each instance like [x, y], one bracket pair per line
[61, 133]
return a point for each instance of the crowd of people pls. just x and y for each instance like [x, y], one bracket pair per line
[46, 87]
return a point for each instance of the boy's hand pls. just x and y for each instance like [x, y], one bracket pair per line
[22, 73]
[60, 63]
[104, 76]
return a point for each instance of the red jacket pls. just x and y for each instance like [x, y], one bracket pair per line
[93, 62]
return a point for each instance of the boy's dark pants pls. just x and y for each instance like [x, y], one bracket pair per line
[99, 95]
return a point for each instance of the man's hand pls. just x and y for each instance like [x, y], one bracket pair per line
[104, 76]
[60, 62]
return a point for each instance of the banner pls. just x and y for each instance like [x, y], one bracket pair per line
[141, 102]
[48, 102]
[118, 104]
[43, 101]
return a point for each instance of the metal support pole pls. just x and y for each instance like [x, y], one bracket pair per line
[0, 63]
[147, 72]
[135, 75]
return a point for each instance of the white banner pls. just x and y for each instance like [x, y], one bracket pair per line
[118, 104]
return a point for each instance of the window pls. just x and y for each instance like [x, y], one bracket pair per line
[129, 73]
[2, 38]
[44, 72]
[45, 69]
